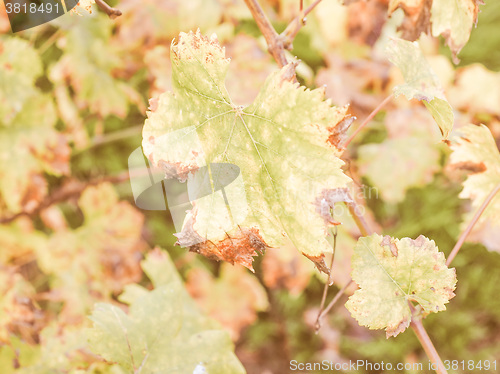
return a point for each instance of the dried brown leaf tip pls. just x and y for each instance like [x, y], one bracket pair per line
[237, 249]
[320, 263]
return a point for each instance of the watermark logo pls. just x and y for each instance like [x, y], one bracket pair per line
[25, 14]
[213, 186]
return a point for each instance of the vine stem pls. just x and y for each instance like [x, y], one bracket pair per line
[367, 120]
[294, 27]
[471, 224]
[337, 297]
[425, 341]
[111, 12]
[329, 280]
[357, 216]
[274, 41]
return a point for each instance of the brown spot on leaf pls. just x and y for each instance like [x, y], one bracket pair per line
[177, 170]
[394, 331]
[471, 166]
[387, 240]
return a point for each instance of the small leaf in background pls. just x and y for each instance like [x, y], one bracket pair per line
[162, 332]
[396, 165]
[29, 142]
[453, 19]
[471, 84]
[417, 20]
[476, 152]
[421, 82]
[97, 258]
[391, 273]
[285, 268]
[285, 145]
[233, 298]
[408, 157]
[88, 64]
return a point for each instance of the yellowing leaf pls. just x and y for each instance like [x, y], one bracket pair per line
[475, 150]
[476, 90]
[29, 145]
[421, 82]
[391, 273]
[396, 165]
[88, 64]
[98, 257]
[164, 332]
[284, 145]
[453, 19]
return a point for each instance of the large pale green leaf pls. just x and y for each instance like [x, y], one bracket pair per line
[284, 144]
[476, 151]
[163, 332]
[453, 19]
[421, 82]
[391, 273]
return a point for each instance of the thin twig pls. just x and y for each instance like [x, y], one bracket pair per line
[329, 280]
[471, 224]
[274, 42]
[367, 120]
[294, 27]
[111, 12]
[359, 219]
[48, 43]
[337, 297]
[426, 342]
[110, 137]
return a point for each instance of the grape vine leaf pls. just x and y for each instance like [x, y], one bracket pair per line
[89, 64]
[387, 165]
[222, 299]
[469, 87]
[417, 17]
[475, 150]
[453, 19]
[284, 143]
[391, 273]
[30, 145]
[163, 332]
[421, 82]
[96, 258]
